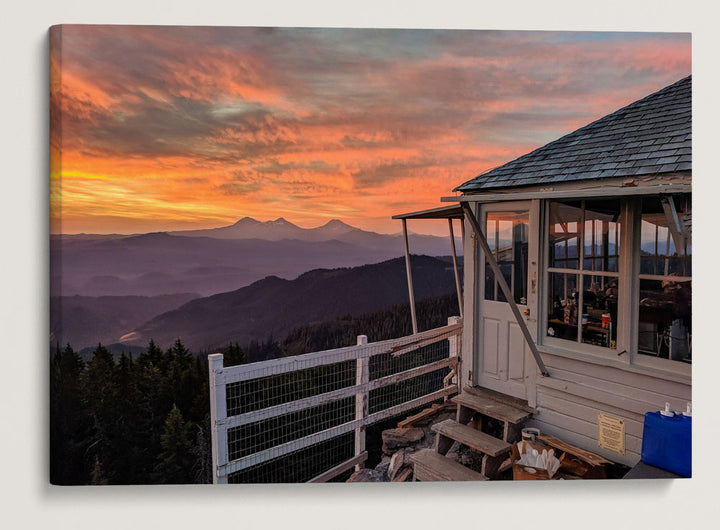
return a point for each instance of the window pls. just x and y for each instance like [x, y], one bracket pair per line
[507, 237]
[592, 292]
[583, 271]
[665, 280]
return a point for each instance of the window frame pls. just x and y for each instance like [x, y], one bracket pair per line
[628, 312]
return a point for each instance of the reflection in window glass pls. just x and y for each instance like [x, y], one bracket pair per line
[589, 314]
[562, 306]
[665, 298]
[658, 252]
[599, 316]
[507, 236]
[665, 327]
[601, 236]
[565, 223]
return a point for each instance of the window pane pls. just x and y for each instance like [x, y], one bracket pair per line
[507, 234]
[665, 328]
[562, 306]
[601, 235]
[599, 316]
[564, 241]
[659, 252]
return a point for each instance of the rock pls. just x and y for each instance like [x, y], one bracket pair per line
[396, 438]
[384, 465]
[397, 461]
[367, 475]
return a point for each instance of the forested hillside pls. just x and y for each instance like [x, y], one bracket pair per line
[273, 307]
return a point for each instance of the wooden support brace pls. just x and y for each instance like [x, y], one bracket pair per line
[504, 286]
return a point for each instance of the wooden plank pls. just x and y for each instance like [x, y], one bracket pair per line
[391, 379]
[491, 408]
[340, 468]
[672, 383]
[430, 466]
[588, 410]
[427, 413]
[599, 396]
[474, 439]
[403, 475]
[586, 456]
[582, 434]
[397, 351]
[408, 405]
[655, 396]
[502, 398]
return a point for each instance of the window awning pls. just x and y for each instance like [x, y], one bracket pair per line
[453, 211]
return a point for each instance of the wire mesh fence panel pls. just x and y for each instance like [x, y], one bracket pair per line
[258, 436]
[404, 391]
[268, 391]
[298, 466]
[303, 418]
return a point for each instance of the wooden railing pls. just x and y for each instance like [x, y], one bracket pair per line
[256, 408]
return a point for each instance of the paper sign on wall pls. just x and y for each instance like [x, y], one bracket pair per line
[611, 433]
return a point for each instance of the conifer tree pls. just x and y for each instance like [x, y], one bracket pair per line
[175, 461]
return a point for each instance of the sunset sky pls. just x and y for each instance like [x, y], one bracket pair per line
[167, 128]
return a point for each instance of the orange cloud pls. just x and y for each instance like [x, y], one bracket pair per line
[162, 128]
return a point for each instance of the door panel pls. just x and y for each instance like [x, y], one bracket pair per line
[516, 350]
[491, 342]
[502, 363]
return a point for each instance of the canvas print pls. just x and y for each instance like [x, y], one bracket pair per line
[369, 255]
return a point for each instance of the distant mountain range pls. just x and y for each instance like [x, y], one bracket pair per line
[279, 229]
[217, 260]
[273, 307]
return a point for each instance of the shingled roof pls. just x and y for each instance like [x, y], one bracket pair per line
[652, 136]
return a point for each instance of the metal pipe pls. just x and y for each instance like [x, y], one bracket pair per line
[409, 278]
[455, 266]
[504, 286]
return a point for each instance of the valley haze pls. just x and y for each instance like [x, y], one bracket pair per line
[257, 279]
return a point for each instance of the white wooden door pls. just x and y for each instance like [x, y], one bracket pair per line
[503, 360]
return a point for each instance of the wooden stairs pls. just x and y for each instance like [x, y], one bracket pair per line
[487, 423]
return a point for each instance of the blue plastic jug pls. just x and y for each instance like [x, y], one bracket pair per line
[667, 441]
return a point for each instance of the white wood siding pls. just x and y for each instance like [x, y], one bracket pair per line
[569, 401]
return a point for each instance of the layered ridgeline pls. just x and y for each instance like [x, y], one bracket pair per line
[271, 308]
[217, 260]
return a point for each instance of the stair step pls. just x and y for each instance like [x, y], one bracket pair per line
[474, 439]
[490, 407]
[502, 398]
[429, 466]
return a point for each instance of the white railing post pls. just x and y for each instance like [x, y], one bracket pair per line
[362, 377]
[218, 416]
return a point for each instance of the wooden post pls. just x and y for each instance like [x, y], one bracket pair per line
[455, 266]
[362, 377]
[454, 351]
[504, 287]
[218, 415]
[409, 278]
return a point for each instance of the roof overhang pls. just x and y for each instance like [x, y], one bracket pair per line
[594, 189]
[443, 212]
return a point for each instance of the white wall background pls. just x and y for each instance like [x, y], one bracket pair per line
[27, 499]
